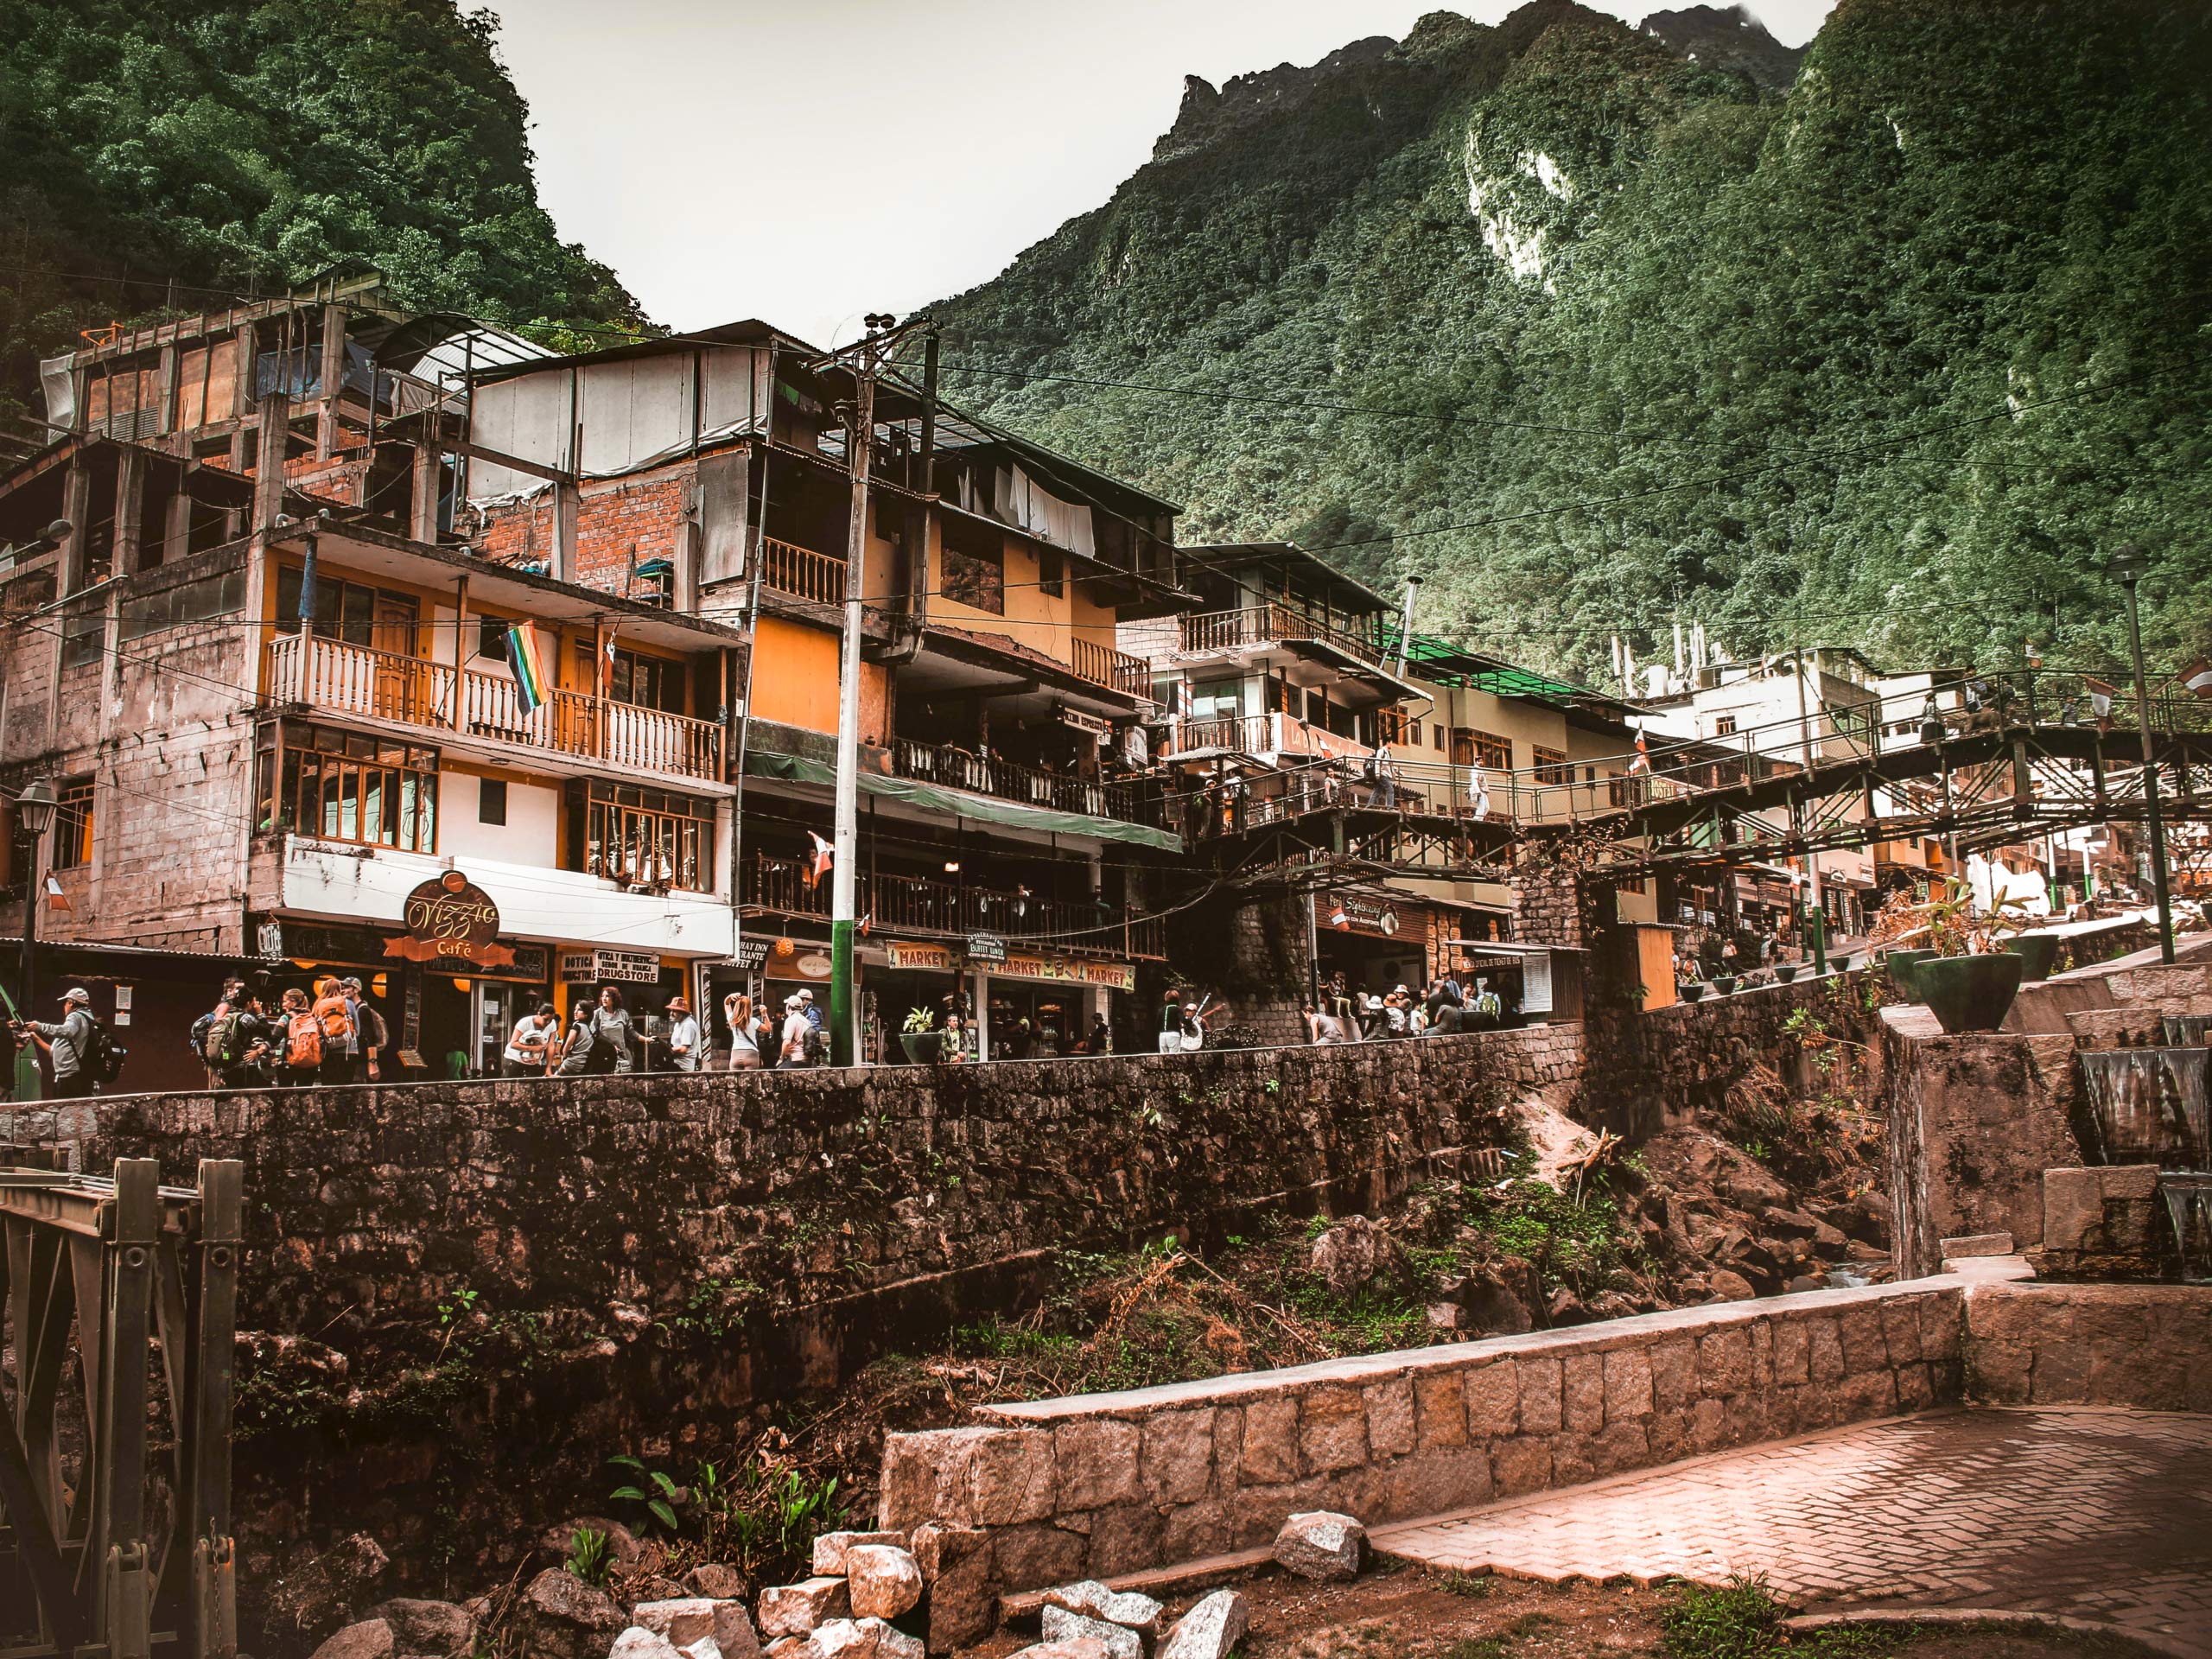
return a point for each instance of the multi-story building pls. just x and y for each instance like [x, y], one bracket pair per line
[275, 696]
[1013, 832]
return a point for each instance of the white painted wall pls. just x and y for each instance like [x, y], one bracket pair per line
[530, 834]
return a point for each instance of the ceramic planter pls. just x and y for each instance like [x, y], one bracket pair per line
[2038, 950]
[1970, 993]
[923, 1047]
[1693, 991]
[1902, 964]
[1723, 983]
[1785, 972]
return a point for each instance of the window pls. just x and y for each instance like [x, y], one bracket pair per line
[347, 611]
[644, 681]
[1723, 724]
[342, 787]
[72, 825]
[1551, 764]
[491, 637]
[1221, 699]
[1395, 726]
[84, 634]
[974, 567]
[189, 601]
[1052, 577]
[1437, 732]
[645, 836]
[492, 800]
[1472, 748]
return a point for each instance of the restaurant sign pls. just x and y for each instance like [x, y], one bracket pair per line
[1352, 913]
[616, 966]
[450, 919]
[986, 948]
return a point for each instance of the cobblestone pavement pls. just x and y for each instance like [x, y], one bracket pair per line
[2093, 1513]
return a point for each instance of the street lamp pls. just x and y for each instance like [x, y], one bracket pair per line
[2128, 564]
[35, 807]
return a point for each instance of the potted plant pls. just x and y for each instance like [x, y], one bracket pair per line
[1692, 989]
[1785, 972]
[1968, 982]
[1723, 984]
[920, 1037]
[2039, 952]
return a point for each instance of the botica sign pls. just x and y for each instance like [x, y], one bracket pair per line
[450, 919]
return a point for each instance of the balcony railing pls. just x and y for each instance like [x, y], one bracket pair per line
[907, 904]
[1262, 736]
[802, 572]
[1116, 670]
[331, 676]
[989, 775]
[1256, 626]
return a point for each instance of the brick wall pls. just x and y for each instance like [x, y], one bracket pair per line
[650, 1255]
[644, 511]
[1101, 1485]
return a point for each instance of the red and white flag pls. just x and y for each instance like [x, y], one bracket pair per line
[2101, 697]
[1643, 761]
[1340, 917]
[825, 856]
[56, 899]
[2197, 676]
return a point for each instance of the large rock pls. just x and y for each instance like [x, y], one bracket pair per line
[883, 1580]
[689, 1618]
[1061, 1625]
[799, 1609]
[623, 1547]
[320, 1590]
[1210, 1629]
[561, 1617]
[830, 1547]
[1321, 1544]
[860, 1638]
[1075, 1647]
[1354, 1253]
[638, 1643]
[956, 1564]
[428, 1629]
[715, 1580]
[370, 1639]
[1128, 1608]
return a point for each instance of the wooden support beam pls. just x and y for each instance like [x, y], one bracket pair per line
[333, 380]
[130, 507]
[422, 506]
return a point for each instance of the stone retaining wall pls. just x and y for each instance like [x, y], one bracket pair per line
[1104, 1484]
[2144, 1345]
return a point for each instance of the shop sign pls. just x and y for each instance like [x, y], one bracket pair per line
[813, 965]
[1068, 970]
[619, 966]
[1348, 912]
[752, 954]
[450, 919]
[1100, 730]
[942, 959]
[986, 948]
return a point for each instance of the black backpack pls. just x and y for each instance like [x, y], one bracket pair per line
[103, 1060]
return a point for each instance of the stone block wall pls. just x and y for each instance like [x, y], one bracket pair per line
[1974, 1120]
[2149, 1346]
[1104, 1484]
[2105, 1223]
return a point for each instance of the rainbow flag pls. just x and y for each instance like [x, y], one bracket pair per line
[530, 684]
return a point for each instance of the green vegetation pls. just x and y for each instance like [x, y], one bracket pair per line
[589, 1558]
[1888, 360]
[1735, 1621]
[238, 146]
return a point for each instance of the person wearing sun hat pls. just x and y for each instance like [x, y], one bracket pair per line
[683, 1035]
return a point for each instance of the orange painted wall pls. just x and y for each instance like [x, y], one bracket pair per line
[795, 680]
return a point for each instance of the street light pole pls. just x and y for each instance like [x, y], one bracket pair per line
[2128, 563]
[34, 809]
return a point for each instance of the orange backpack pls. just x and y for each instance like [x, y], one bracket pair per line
[303, 1041]
[336, 1019]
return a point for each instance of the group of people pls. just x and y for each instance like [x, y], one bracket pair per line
[1445, 1007]
[328, 1034]
[601, 1039]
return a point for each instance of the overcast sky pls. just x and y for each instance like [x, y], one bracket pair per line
[810, 160]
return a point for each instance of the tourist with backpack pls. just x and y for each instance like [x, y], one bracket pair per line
[611, 1025]
[236, 1039]
[339, 1038]
[369, 1030]
[78, 1049]
[301, 1063]
[588, 1053]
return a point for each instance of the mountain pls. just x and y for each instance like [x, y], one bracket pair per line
[1727, 37]
[232, 147]
[1594, 327]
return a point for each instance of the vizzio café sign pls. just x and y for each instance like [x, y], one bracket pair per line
[450, 919]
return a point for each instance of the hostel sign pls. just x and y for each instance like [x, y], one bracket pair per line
[450, 919]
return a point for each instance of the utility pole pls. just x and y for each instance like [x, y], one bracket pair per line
[2128, 563]
[845, 915]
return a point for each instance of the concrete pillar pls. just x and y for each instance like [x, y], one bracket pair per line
[422, 506]
[269, 460]
[130, 505]
[76, 508]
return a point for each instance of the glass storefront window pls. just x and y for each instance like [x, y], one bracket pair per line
[341, 786]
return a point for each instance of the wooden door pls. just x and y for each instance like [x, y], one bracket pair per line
[401, 680]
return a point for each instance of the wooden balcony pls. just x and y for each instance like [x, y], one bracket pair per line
[908, 904]
[802, 572]
[328, 676]
[1276, 737]
[1255, 627]
[1116, 670]
[985, 774]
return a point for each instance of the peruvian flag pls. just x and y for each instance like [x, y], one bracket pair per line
[56, 899]
[818, 866]
[1340, 917]
[1642, 760]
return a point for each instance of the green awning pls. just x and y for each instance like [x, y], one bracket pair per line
[936, 797]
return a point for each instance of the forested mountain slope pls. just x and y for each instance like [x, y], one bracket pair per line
[1589, 333]
[235, 146]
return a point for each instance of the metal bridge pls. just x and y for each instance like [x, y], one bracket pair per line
[120, 1303]
[2032, 757]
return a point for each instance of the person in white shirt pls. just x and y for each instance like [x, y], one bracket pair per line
[524, 1055]
[683, 1035]
[792, 1049]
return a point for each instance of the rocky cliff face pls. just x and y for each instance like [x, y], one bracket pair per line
[1727, 37]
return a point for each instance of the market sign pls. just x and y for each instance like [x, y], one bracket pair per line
[450, 919]
[620, 967]
[1350, 913]
[986, 948]
[941, 957]
[1068, 970]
